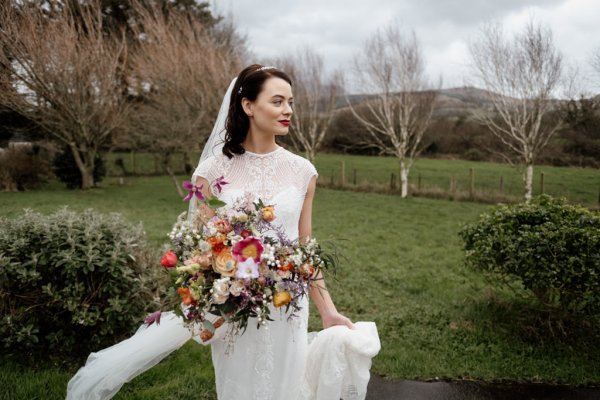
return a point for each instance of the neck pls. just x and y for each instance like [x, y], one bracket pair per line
[258, 144]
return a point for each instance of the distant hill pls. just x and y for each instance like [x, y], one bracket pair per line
[451, 103]
[454, 102]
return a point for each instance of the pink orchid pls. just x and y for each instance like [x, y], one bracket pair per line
[219, 183]
[194, 190]
[152, 318]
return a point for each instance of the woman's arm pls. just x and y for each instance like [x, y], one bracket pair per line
[318, 291]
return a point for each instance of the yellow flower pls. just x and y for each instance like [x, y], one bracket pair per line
[282, 298]
[268, 213]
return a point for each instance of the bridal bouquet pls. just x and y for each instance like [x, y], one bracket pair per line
[237, 263]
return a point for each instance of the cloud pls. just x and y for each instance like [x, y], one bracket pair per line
[337, 28]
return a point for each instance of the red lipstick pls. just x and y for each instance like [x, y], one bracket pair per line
[285, 122]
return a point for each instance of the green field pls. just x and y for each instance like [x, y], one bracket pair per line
[404, 271]
[580, 185]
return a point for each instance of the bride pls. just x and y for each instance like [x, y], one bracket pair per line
[277, 362]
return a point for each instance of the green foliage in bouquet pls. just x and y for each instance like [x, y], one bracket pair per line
[551, 247]
[71, 283]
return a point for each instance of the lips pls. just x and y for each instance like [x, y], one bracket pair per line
[285, 122]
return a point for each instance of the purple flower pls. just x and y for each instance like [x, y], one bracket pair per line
[152, 318]
[193, 190]
[219, 183]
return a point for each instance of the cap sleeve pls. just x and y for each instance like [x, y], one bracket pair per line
[205, 170]
[308, 171]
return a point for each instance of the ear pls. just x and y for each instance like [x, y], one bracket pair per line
[247, 106]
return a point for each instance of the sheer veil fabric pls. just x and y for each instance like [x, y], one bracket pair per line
[282, 361]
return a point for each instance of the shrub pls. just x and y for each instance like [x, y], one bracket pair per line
[22, 168]
[551, 247]
[71, 283]
[66, 170]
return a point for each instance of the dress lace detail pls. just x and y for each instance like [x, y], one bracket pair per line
[267, 362]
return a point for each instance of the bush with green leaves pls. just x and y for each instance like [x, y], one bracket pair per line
[66, 170]
[72, 282]
[551, 247]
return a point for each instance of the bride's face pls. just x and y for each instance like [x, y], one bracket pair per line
[271, 112]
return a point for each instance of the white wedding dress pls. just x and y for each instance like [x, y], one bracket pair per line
[271, 363]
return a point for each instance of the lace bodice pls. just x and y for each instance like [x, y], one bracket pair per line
[279, 178]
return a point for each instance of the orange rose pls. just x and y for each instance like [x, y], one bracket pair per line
[225, 264]
[216, 242]
[282, 298]
[268, 213]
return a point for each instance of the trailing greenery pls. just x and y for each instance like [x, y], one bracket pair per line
[549, 246]
[71, 282]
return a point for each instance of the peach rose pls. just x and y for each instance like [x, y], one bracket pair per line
[223, 226]
[225, 264]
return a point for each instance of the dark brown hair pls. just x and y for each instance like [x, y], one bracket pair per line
[249, 84]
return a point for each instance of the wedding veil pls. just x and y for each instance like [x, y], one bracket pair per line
[107, 370]
[215, 142]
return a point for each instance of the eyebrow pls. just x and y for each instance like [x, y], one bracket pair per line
[279, 95]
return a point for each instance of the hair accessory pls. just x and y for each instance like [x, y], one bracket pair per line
[263, 68]
[240, 90]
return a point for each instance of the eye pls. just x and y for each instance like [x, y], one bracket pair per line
[291, 103]
[277, 102]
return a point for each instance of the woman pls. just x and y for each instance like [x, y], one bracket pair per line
[268, 360]
[277, 362]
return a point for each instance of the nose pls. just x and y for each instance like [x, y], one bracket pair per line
[288, 110]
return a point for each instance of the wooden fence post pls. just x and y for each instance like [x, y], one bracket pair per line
[471, 183]
[452, 186]
[332, 173]
[343, 177]
[501, 184]
[392, 179]
[419, 181]
[354, 180]
[542, 183]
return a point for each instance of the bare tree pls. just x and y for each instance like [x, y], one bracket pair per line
[65, 74]
[520, 74]
[400, 102]
[315, 98]
[180, 72]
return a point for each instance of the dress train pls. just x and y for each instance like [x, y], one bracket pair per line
[337, 364]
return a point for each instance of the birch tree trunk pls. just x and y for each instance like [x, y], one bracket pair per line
[520, 76]
[398, 108]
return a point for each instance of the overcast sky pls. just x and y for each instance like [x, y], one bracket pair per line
[337, 28]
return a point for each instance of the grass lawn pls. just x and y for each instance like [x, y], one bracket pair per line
[404, 270]
[581, 185]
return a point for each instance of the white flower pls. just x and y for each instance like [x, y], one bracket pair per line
[204, 246]
[247, 269]
[220, 292]
[236, 288]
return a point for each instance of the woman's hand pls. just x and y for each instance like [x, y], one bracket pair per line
[334, 319]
